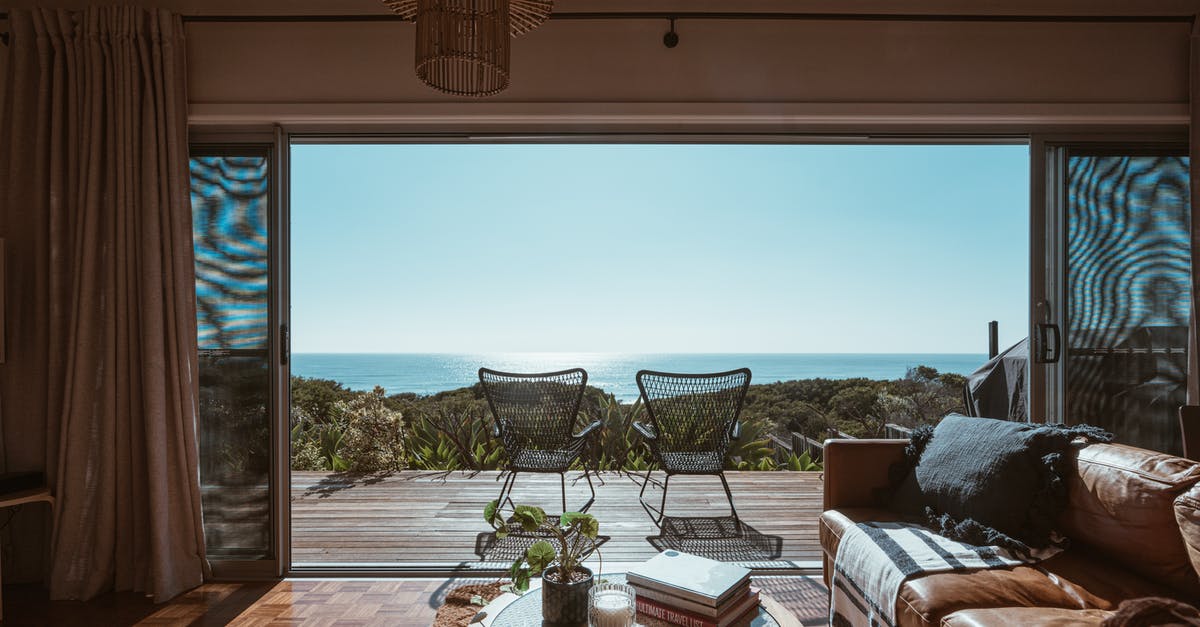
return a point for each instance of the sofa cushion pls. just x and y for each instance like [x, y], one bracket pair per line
[989, 481]
[1025, 616]
[1122, 504]
[1073, 579]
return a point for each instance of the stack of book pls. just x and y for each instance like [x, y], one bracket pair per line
[694, 591]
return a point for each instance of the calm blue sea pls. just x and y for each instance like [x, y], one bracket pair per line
[429, 373]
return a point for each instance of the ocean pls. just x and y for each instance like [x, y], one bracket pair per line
[429, 373]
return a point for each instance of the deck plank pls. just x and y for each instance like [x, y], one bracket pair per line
[416, 516]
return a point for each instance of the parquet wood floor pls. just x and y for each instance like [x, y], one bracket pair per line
[312, 603]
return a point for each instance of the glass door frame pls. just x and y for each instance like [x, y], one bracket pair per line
[272, 143]
[1047, 245]
[1047, 168]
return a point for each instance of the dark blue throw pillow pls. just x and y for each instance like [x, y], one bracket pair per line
[989, 482]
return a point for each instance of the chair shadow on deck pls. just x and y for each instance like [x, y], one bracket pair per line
[489, 548]
[334, 482]
[722, 538]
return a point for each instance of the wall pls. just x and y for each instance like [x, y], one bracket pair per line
[819, 73]
[824, 75]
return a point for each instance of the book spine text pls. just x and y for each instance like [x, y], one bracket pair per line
[669, 615]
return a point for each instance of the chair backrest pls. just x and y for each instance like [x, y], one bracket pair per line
[534, 411]
[693, 412]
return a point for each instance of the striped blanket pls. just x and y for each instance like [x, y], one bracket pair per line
[873, 560]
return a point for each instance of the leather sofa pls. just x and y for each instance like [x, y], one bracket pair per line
[1133, 521]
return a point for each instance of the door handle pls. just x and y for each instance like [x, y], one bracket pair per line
[1047, 345]
[285, 344]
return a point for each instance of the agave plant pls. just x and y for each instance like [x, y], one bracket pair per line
[450, 439]
[752, 449]
[619, 447]
[800, 463]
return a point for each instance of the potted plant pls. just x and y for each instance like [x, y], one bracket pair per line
[565, 580]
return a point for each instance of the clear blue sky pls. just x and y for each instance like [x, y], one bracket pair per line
[658, 248]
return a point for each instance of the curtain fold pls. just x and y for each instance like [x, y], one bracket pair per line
[100, 386]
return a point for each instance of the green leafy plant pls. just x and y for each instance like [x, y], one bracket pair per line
[317, 445]
[800, 463]
[752, 450]
[618, 445]
[453, 436]
[574, 533]
[319, 423]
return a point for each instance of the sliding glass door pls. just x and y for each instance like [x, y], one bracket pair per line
[231, 211]
[1117, 266]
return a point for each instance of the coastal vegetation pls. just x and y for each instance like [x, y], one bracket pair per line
[337, 429]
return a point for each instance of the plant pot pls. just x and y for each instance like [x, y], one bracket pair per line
[565, 604]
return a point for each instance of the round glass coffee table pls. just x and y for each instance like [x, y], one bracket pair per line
[526, 611]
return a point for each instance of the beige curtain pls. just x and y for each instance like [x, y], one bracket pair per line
[100, 387]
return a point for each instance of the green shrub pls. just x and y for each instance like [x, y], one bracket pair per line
[306, 455]
[373, 440]
[447, 440]
[338, 429]
[453, 431]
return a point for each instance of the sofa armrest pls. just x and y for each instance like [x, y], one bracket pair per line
[856, 469]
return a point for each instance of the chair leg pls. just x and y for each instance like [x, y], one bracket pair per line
[662, 507]
[729, 495]
[506, 491]
[656, 516]
[645, 482]
[562, 481]
[587, 475]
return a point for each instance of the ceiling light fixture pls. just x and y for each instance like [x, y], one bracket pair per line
[525, 15]
[463, 45]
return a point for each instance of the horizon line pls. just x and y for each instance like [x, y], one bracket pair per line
[298, 352]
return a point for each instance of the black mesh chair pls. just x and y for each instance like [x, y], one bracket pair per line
[535, 421]
[693, 418]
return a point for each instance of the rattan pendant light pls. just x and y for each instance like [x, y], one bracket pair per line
[525, 15]
[463, 45]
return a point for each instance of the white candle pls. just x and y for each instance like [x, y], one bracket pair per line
[611, 608]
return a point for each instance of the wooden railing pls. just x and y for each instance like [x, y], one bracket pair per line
[800, 443]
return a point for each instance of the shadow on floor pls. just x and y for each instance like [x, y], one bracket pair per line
[506, 550]
[439, 596]
[722, 538]
[211, 604]
[806, 598]
[338, 481]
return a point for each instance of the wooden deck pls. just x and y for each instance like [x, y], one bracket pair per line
[417, 517]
